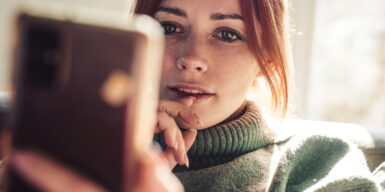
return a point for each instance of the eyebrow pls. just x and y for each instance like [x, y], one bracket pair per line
[182, 13]
[219, 16]
[174, 11]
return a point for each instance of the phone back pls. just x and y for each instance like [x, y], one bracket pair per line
[76, 84]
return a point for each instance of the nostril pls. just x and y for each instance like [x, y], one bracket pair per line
[190, 64]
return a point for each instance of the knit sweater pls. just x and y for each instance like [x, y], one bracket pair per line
[245, 155]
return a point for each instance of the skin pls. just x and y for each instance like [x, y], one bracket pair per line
[206, 48]
[207, 52]
[38, 169]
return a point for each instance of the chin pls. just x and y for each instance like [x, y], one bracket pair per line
[184, 125]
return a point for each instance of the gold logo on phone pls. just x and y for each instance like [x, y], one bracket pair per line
[116, 88]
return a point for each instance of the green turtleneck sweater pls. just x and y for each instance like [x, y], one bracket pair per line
[245, 155]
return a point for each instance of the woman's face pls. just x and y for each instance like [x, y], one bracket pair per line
[206, 57]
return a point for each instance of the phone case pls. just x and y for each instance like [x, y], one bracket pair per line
[77, 82]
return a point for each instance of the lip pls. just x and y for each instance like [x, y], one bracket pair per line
[190, 86]
[206, 94]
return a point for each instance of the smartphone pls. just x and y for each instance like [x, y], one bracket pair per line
[86, 90]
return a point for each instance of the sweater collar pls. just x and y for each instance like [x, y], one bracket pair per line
[224, 142]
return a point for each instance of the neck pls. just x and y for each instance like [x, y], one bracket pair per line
[236, 114]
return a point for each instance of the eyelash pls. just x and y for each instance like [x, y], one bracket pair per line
[218, 33]
[171, 24]
[221, 31]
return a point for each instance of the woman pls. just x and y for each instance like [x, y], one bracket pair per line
[215, 53]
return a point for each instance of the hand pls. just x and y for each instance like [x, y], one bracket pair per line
[154, 168]
[47, 175]
[178, 142]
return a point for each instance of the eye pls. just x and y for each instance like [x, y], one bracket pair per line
[170, 28]
[228, 35]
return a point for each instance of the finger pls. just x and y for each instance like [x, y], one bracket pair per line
[188, 101]
[179, 109]
[180, 153]
[190, 117]
[48, 175]
[167, 125]
[172, 137]
[189, 136]
[175, 105]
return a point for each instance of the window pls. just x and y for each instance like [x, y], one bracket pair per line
[345, 81]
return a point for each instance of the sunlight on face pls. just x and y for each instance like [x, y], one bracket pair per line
[206, 57]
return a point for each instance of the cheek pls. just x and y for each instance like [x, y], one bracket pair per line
[168, 70]
[169, 58]
[238, 70]
[167, 64]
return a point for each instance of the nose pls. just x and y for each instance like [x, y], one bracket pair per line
[192, 56]
[191, 64]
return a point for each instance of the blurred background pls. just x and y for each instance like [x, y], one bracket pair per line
[338, 54]
[339, 59]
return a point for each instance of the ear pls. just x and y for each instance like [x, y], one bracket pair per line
[255, 81]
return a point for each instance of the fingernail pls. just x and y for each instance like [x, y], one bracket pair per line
[187, 163]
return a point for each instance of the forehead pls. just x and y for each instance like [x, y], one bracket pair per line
[209, 6]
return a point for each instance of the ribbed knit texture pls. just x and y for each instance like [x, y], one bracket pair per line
[224, 142]
[244, 155]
